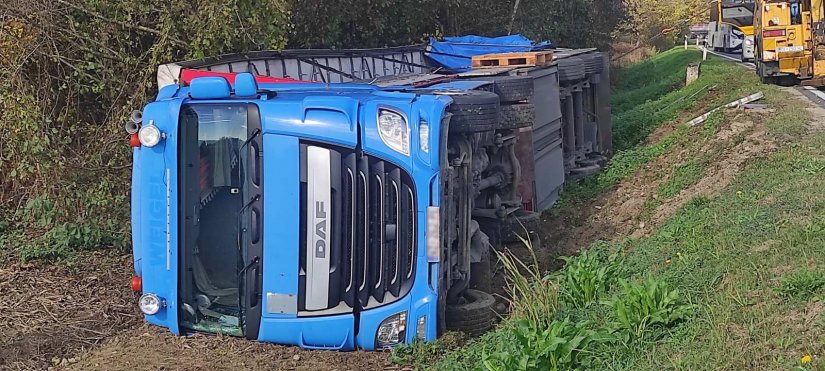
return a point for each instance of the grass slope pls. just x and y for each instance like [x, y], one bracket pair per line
[732, 279]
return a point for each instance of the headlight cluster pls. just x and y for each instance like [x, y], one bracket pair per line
[394, 130]
[392, 331]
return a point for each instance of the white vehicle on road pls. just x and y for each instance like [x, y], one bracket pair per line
[748, 49]
[724, 37]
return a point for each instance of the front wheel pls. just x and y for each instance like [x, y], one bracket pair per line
[473, 315]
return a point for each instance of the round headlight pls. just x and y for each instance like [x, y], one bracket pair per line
[149, 135]
[150, 304]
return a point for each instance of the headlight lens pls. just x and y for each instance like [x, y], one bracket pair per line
[748, 42]
[150, 304]
[394, 130]
[149, 135]
[392, 331]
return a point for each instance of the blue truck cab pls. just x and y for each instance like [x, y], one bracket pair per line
[327, 216]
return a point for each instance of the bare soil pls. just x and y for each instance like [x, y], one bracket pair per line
[52, 312]
[151, 348]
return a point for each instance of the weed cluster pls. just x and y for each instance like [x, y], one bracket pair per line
[643, 309]
[801, 285]
[61, 236]
[548, 328]
[557, 347]
[586, 278]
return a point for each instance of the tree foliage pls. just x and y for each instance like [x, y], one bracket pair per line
[647, 19]
[72, 70]
[368, 23]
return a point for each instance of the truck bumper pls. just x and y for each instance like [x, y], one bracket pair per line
[340, 332]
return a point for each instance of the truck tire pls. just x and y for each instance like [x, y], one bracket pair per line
[515, 116]
[475, 316]
[473, 112]
[571, 69]
[522, 224]
[512, 88]
[763, 76]
[593, 63]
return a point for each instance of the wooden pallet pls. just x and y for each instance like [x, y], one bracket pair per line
[527, 59]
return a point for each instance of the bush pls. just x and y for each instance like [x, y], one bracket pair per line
[71, 72]
[801, 285]
[586, 277]
[646, 306]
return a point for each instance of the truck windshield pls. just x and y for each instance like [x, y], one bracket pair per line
[213, 189]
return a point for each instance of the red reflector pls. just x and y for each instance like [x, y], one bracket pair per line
[134, 141]
[773, 33]
[136, 284]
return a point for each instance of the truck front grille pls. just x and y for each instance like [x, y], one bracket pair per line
[360, 251]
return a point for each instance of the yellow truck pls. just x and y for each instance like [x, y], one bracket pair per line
[790, 42]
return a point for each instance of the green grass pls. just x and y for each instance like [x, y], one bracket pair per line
[651, 94]
[737, 277]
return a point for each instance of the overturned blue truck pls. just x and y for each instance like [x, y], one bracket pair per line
[350, 199]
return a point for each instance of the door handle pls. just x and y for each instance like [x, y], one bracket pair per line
[255, 226]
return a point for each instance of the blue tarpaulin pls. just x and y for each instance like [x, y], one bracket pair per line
[456, 53]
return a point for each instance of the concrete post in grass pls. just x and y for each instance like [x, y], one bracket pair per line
[692, 73]
[705, 53]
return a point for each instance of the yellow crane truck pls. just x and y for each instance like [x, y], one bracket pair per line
[790, 42]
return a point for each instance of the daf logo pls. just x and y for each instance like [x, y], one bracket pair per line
[320, 230]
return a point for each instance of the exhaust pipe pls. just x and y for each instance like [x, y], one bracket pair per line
[135, 118]
[131, 127]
